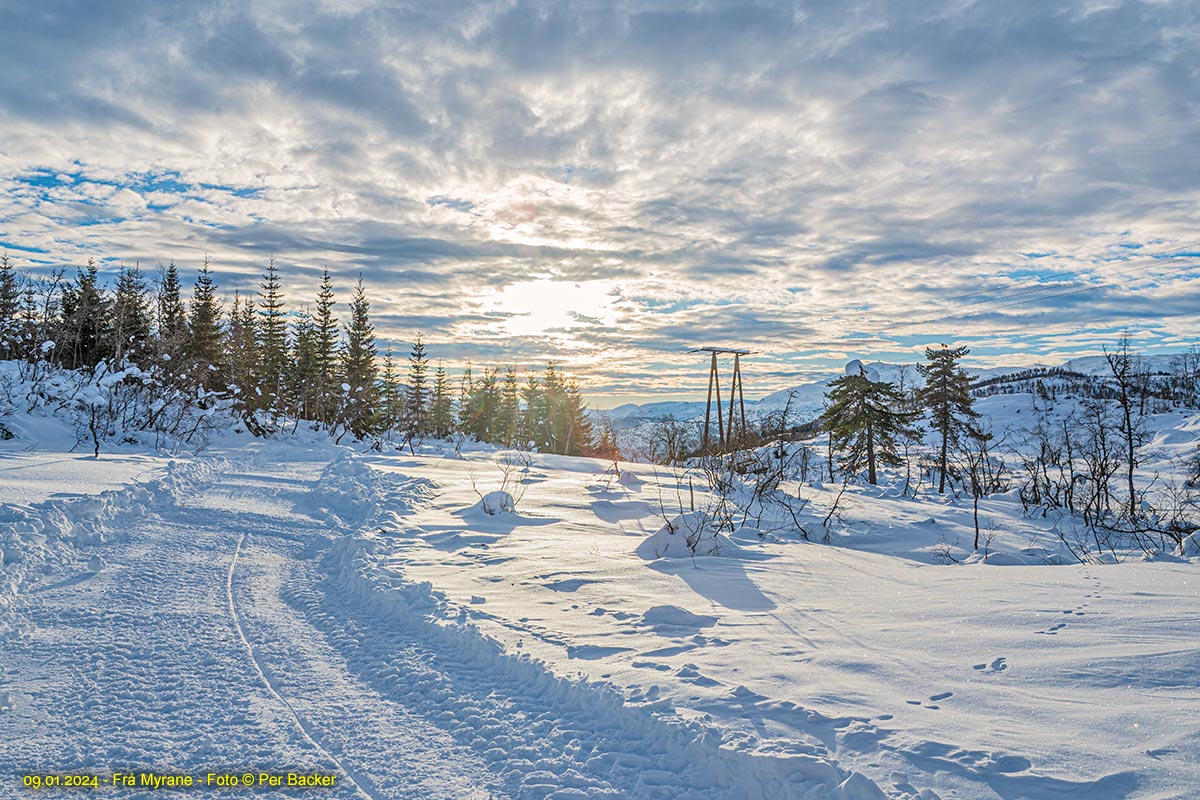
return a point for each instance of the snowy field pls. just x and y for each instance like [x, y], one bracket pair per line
[298, 606]
[38, 464]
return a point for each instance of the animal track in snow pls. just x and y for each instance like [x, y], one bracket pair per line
[933, 700]
[997, 665]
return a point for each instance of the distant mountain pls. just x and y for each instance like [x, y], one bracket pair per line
[807, 398]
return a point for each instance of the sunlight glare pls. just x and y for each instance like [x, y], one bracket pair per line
[555, 308]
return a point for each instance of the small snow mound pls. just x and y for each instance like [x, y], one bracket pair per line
[1163, 555]
[858, 787]
[1004, 560]
[685, 536]
[676, 617]
[498, 502]
[629, 478]
[746, 533]
[1191, 546]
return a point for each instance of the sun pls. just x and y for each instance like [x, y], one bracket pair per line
[553, 308]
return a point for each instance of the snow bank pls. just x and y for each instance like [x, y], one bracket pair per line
[686, 536]
[349, 493]
[54, 530]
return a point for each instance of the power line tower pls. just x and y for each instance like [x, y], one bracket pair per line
[725, 428]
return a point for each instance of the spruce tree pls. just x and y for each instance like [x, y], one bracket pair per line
[947, 397]
[578, 439]
[358, 365]
[533, 420]
[272, 340]
[553, 423]
[441, 407]
[10, 309]
[204, 330]
[33, 329]
[325, 330]
[303, 368]
[130, 327]
[865, 420]
[392, 398]
[478, 417]
[172, 320]
[510, 409]
[241, 353]
[85, 322]
[416, 398]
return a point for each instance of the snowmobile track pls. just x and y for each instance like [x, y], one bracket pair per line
[306, 730]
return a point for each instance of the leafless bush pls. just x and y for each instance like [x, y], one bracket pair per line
[512, 465]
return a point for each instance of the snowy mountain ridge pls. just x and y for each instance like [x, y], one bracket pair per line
[807, 398]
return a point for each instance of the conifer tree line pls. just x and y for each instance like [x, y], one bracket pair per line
[278, 367]
[868, 421]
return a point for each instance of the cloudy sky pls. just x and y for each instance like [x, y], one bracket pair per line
[612, 184]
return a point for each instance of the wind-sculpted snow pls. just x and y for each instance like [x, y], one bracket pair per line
[246, 617]
[300, 607]
[862, 650]
[544, 734]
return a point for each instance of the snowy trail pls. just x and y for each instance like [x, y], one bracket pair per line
[359, 782]
[198, 648]
[136, 666]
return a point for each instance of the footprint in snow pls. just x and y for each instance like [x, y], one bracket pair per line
[997, 665]
[942, 696]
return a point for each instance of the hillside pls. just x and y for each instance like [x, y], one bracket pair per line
[807, 397]
[497, 624]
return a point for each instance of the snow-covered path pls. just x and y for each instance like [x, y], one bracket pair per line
[225, 633]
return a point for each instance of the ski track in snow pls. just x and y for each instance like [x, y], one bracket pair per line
[197, 648]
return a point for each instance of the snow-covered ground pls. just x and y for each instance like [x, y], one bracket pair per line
[297, 606]
[971, 680]
[40, 462]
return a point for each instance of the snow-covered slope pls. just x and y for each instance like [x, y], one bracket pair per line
[299, 607]
[807, 398]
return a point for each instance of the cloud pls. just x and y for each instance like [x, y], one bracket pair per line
[809, 180]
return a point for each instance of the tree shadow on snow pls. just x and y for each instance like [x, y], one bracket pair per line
[475, 531]
[723, 581]
[621, 510]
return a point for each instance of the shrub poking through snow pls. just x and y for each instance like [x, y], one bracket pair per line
[512, 465]
[687, 536]
[497, 502]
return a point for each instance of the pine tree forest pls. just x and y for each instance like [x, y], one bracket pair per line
[143, 355]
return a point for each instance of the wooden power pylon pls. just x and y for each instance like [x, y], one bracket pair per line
[725, 429]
